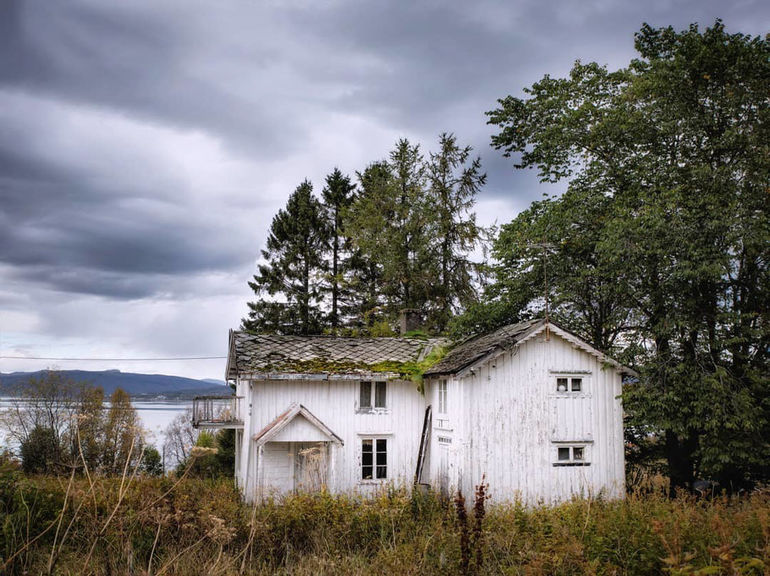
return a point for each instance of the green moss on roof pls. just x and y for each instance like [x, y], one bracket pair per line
[407, 370]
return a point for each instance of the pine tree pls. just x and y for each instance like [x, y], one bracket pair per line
[452, 188]
[337, 197]
[289, 282]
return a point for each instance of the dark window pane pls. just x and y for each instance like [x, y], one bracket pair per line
[366, 473]
[577, 453]
[382, 445]
[366, 395]
[382, 472]
[366, 458]
[563, 453]
[561, 384]
[379, 394]
[577, 383]
[382, 458]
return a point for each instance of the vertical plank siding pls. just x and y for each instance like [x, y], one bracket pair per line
[335, 403]
[504, 422]
[515, 419]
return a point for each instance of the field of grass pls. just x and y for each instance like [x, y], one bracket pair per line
[161, 526]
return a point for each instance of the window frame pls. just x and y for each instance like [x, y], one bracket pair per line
[573, 449]
[375, 443]
[442, 395]
[375, 386]
[571, 379]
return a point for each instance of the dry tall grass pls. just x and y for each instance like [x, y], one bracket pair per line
[137, 525]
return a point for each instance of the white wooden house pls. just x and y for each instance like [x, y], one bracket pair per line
[530, 408]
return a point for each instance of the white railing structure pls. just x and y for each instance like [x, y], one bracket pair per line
[217, 412]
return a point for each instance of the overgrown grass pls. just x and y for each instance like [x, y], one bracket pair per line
[157, 526]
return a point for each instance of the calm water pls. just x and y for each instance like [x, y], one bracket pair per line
[155, 415]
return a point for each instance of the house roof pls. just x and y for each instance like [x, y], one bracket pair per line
[478, 348]
[285, 418]
[265, 354]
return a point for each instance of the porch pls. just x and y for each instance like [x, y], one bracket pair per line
[217, 412]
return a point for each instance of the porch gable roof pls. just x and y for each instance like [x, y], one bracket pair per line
[285, 418]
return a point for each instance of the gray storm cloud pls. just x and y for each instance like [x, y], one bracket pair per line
[145, 146]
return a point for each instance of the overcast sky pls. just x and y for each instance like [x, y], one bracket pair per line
[146, 145]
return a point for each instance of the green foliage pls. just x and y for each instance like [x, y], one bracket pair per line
[337, 197]
[289, 282]
[661, 243]
[40, 451]
[401, 238]
[212, 457]
[201, 526]
[152, 464]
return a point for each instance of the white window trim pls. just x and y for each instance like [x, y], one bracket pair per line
[388, 454]
[585, 384]
[442, 396]
[585, 445]
[372, 409]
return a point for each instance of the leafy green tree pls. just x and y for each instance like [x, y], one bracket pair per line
[289, 282]
[123, 434]
[337, 196]
[90, 428]
[672, 155]
[453, 183]
[41, 451]
[152, 464]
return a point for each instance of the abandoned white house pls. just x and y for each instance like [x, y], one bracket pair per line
[531, 408]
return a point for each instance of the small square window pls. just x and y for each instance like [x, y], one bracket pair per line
[572, 455]
[561, 384]
[577, 384]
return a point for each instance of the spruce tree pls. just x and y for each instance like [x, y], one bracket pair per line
[453, 183]
[289, 283]
[337, 197]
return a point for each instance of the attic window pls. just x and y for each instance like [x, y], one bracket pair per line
[572, 455]
[569, 384]
[372, 394]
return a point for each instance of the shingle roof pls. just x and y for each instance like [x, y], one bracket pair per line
[468, 352]
[263, 353]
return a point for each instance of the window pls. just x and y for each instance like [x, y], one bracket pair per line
[374, 458]
[569, 384]
[379, 391]
[572, 455]
[366, 395]
[442, 396]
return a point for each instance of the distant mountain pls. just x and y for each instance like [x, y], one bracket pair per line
[134, 384]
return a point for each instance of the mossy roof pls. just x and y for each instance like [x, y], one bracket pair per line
[476, 348]
[269, 353]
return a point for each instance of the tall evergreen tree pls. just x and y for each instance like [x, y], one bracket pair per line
[452, 187]
[289, 282]
[337, 197]
[368, 219]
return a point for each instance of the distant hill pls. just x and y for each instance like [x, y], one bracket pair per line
[135, 384]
